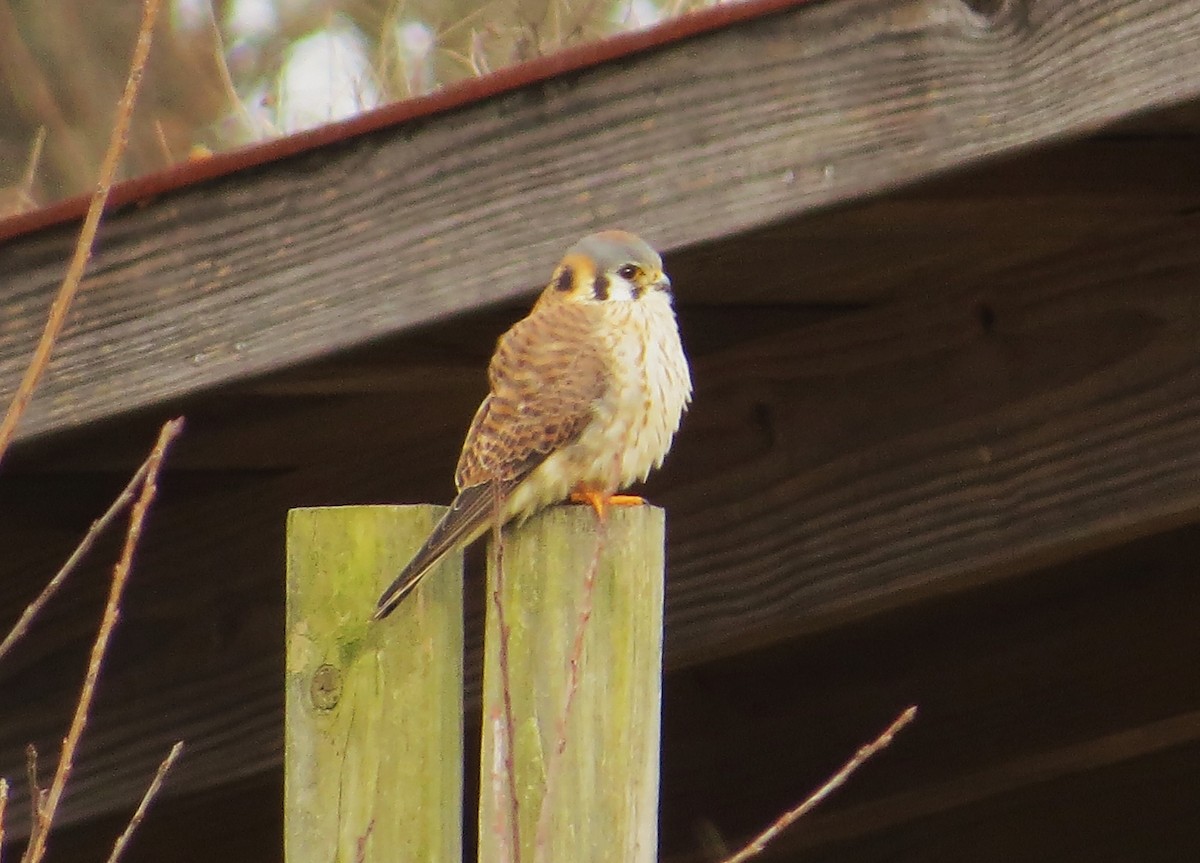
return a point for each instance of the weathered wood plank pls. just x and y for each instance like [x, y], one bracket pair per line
[1043, 673]
[910, 447]
[828, 469]
[975, 226]
[386, 425]
[720, 133]
[374, 739]
[583, 613]
[1066, 672]
[1005, 779]
[1042, 210]
[1134, 810]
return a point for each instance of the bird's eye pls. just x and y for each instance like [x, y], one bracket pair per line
[628, 272]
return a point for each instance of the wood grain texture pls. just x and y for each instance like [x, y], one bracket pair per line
[974, 226]
[601, 787]
[1032, 394]
[1063, 691]
[828, 470]
[1133, 810]
[720, 133]
[374, 741]
[1016, 421]
[1065, 674]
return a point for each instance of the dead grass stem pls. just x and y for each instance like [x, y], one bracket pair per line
[140, 813]
[507, 763]
[87, 236]
[759, 843]
[37, 846]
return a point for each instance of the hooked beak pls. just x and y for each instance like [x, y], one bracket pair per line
[662, 283]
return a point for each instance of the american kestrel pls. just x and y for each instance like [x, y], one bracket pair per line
[587, 392]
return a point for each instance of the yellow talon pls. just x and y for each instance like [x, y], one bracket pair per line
[600, 502]
[596, 500]
[627, 500]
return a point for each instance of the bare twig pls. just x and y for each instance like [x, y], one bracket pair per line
[790, 817]
[252, 125]
[502, 635]
[477, 60]
[3, 806]
[161, 135]
[574, 660]
[24, 199]
[17, 63]
[22, 625]
[585, 614]
[360, 842]
[577, 31]
[137, 518]
[500, 759]
[482, 11]
[140, 812]
[37, 794]
[87, 236]
[35, 158]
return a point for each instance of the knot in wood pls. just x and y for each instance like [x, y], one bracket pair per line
[986, 8]
[325, 689]
[993, 13]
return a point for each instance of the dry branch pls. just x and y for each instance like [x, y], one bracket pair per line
[508, 743]
[37, 794]
[554, 767]
[20, 198]
[98, 526]
[19, 64]
[3, 807]
[501, 769]
[140, 812]
[137, 517]
[787, 819]
[585, 762]
[87, 236]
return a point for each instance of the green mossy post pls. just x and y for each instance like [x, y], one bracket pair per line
[604, 789]
[373, 748]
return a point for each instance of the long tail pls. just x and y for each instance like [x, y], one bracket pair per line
[468, 518]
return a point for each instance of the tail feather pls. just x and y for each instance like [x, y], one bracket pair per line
[469, 516]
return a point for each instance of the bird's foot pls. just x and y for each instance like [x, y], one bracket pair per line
[600, 502]
[595, 499]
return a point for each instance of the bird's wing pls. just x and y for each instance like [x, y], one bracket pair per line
[547, 373]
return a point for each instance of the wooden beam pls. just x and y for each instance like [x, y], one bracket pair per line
[572, 689]
[1070, 694]
[1000, 780]
[928, 445]
[974, 226]
[1044, 349]
[828, 470]
[720, 133]
[1107, 814]
[1070, 673]
[373, 722]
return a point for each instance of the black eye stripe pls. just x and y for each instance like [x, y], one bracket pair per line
[600, 288]
[565, 280]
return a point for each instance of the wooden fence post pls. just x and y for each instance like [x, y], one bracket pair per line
[603, 784]
[373, 740]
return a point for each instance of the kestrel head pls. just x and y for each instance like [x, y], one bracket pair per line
[609, 266]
